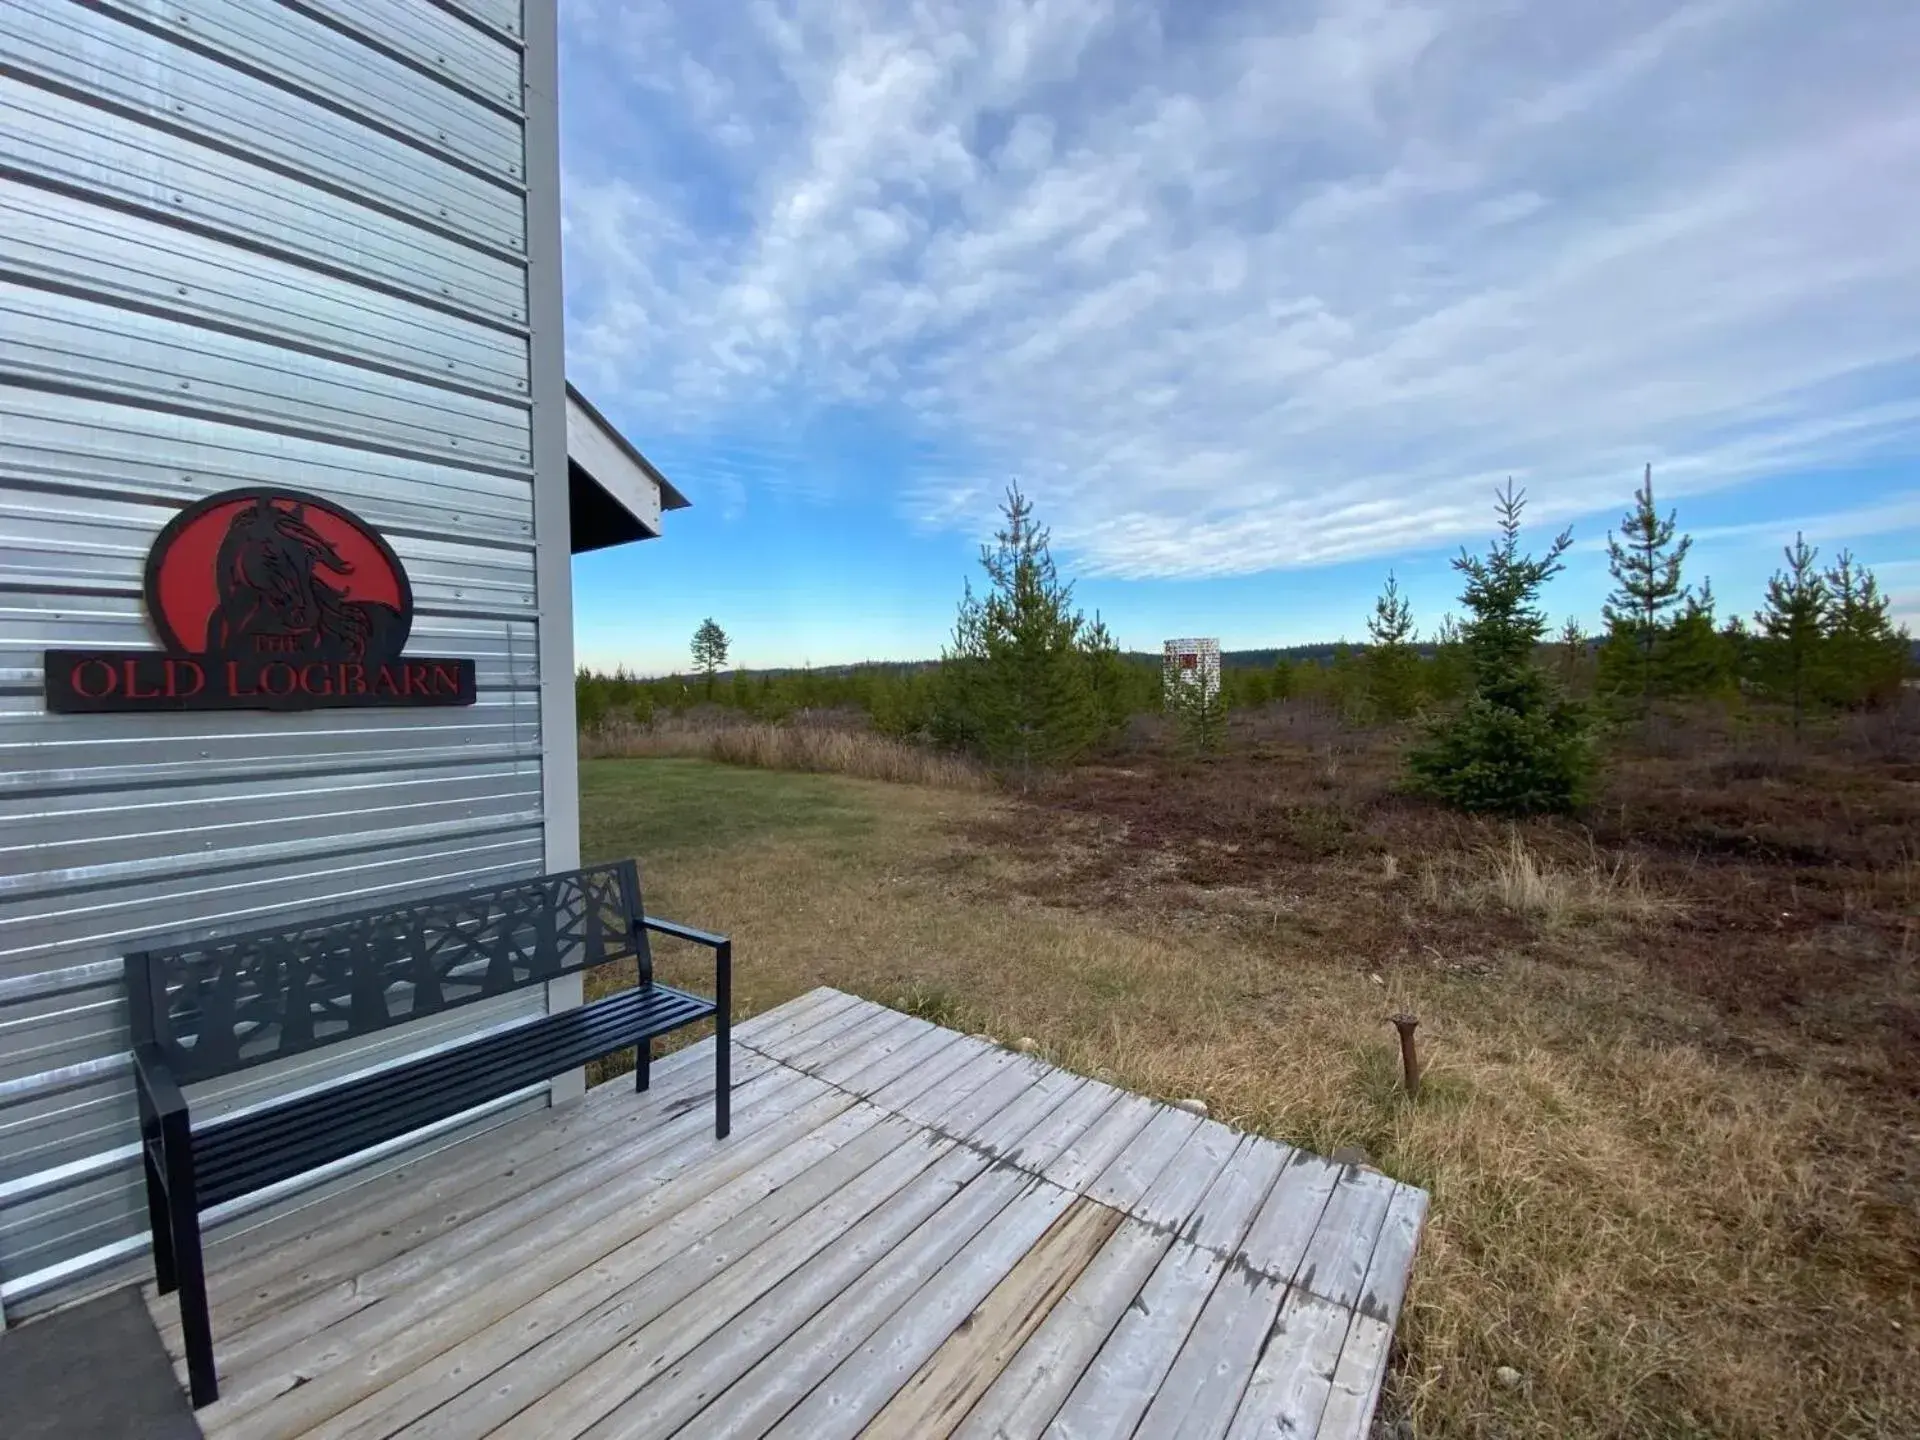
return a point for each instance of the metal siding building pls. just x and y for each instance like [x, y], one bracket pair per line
[245, 243]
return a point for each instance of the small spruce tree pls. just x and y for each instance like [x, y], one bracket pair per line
[1700, 661]
[591, 700]
[740, 692]
[1450, 672]
[1199, 710]
[1740, 648]
[1393, 665]
[1645, 559]
[1790, 652]
[1107, 678]
[1017, 681]
[1256, 686]
[1518, 745]
[1868, 656]
[1286, 679]
[1573, 653]
[1344, 681]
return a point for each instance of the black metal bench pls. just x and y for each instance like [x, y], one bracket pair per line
[208, 1009]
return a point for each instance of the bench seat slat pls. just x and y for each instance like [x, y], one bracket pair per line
[267, 1146]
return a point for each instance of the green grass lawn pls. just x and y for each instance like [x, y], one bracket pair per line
[678, 810]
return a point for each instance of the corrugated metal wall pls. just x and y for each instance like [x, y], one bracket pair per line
[244, 241]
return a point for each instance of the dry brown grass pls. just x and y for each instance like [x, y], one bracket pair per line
[1517, 879]
[820, 750]
[1663, 1236]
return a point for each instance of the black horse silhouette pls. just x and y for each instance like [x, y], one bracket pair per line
[274, 600]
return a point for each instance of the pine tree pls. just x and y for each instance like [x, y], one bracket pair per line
[1868, 655]
[590, 700]
[1450, 672]
[1645, 559]
[709, 651]
[1286, 679]
[1518, 746]
[741, 692]
[1700, 660]
[1393, 665]
[1199, 709]
[1345, 682]
[1790, 652]
[1016, 686]
[1573, 653]
[1738, 645]
[1107, 677]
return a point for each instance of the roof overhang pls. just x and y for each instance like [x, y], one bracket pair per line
[614, 494]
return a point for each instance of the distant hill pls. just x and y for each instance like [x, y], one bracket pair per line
[775, 671]
[1257, 659]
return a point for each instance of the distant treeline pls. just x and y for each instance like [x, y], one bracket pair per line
[900, 697]
[1028, 682]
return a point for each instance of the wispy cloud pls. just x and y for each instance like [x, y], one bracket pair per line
[1284, 285]
[1894, 515]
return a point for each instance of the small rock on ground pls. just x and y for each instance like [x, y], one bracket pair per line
[1507, 1376]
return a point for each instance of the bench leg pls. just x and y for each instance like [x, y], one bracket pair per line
[160, 1223]
[196, 1328]
[643, 1066]
[722, 1040]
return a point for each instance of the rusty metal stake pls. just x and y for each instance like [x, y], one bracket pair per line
[1409, 1056]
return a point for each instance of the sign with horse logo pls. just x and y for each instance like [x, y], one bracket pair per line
[265, 599]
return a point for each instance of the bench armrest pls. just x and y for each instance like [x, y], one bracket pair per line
[722, 947]
[684, 932]
[155, 1078]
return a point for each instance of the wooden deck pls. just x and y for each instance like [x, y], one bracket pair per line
[910, 1233]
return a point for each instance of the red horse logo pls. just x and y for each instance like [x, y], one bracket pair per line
[275, 597]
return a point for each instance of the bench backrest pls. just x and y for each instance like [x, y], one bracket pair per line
[221, 1005]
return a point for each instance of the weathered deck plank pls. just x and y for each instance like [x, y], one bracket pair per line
[910, 1233]
[1285, 1226]
[1289, 1386]
[309, 1378]
[1026, 1395]
[1121, 1381]
[776, 1037]
[954, 1377]
[568, 1382]
[1202, 1392]
[603, 1145]
[840, 1404]
[717, 1363]
[529, 1149]
[788, 1374]
[584, 1195]
[599, 1391]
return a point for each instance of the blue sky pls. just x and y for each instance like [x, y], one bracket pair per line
[1257, 301]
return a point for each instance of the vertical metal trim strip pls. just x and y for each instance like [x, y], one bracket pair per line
[553, 536]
